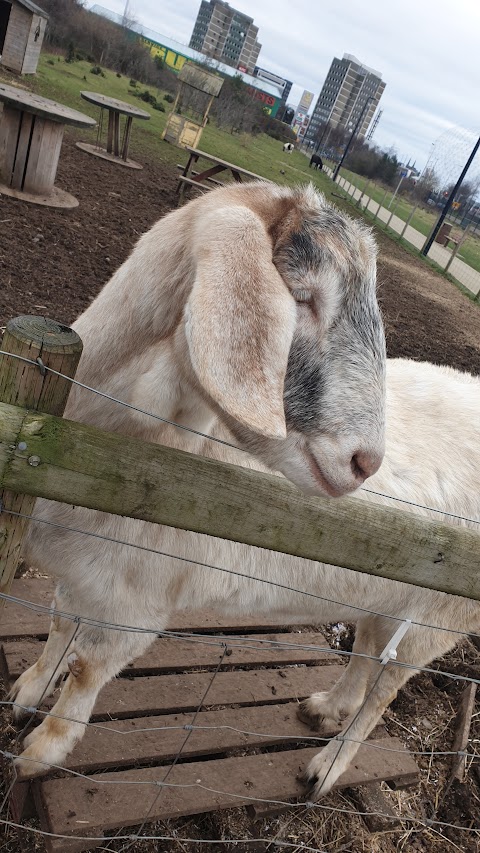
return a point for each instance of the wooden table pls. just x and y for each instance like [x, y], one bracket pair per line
[204, 180]
[31, 133]
[117, 148]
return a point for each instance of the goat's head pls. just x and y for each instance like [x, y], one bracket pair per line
[284, 333]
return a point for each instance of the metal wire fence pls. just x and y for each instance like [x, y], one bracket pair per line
[225, 645]
[456, 249]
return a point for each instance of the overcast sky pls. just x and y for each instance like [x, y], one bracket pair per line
[426, 50]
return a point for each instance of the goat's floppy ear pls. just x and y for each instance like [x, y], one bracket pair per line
[240, 320]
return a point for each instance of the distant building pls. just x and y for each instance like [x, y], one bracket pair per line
[347, 88]
[270, 77]
[174, 54]
[226, 35]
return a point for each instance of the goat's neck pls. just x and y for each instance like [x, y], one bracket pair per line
[153, 382]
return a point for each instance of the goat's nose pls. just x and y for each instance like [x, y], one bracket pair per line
[365, 463]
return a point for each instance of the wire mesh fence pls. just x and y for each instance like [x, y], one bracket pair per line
[161, 779]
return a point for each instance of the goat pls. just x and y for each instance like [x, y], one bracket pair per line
[288, 147]
[251, 313]
[316, 161]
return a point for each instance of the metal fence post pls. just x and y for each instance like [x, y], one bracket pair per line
[49, 344]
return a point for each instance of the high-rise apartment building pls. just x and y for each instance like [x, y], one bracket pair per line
[227, 35]
[351, 92]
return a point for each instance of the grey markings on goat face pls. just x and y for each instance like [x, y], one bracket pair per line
[304, 386]
[353, 349]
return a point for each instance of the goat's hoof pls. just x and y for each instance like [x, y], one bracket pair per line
[308, 716]
[27, 766]
[323, 772]
[307, 712]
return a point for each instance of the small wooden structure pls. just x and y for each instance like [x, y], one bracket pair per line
[117, 148]
[204, 179]
[180, 129]
[31, 133]
[22, 27]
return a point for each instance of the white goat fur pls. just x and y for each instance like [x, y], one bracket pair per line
[432, 458]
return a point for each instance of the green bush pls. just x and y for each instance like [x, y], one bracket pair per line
[133, 83]
[169, 98]
[51, 61]
[148, 97]
[159, 106]
[118, 74]
[97, 70]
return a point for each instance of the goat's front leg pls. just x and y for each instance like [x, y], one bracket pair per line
[326, 711]
[92, 663]
[416, 649]
[38, 681]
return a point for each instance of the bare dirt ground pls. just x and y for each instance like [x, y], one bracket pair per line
[54, 263]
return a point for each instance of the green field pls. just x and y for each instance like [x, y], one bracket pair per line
[261, 154]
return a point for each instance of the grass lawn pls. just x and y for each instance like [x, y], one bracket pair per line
[263, 155]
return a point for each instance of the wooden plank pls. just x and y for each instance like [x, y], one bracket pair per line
[9, 131]
[89, 467]
[20, 621]
[462, 725]
[192, 182]
[151, 740]
[88, 806]
[43, 158]
[376, 810]
[22, 152]
[171, 655]
[168, 694]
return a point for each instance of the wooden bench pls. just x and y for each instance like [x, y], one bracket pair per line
[210, 180]
[191, 183]
[452, 239]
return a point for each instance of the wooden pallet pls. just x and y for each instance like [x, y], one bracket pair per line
[142, 716]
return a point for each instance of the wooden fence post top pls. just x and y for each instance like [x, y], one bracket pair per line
[26, 385]
[43, 332]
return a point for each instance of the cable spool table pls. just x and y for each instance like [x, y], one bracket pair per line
[117, 148]
[31, 133]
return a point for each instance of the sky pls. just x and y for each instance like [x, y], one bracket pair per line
[426, 51]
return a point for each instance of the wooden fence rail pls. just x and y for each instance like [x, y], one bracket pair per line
[82, 465]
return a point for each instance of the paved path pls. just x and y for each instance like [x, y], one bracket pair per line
[465, 274]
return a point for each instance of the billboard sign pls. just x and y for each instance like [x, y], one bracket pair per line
[305, 102]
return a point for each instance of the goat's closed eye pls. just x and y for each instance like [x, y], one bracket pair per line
[301, 295]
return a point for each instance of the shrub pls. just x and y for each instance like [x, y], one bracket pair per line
[118, 74]
[97, 70]
[148, 97]
[50, 61]
[169, 98]
[133, 83]
[159, 106]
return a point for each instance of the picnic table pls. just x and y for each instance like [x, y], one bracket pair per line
[204, 180]
[31, 133]
[117, 147]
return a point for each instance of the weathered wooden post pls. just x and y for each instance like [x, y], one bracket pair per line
[49, 344]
